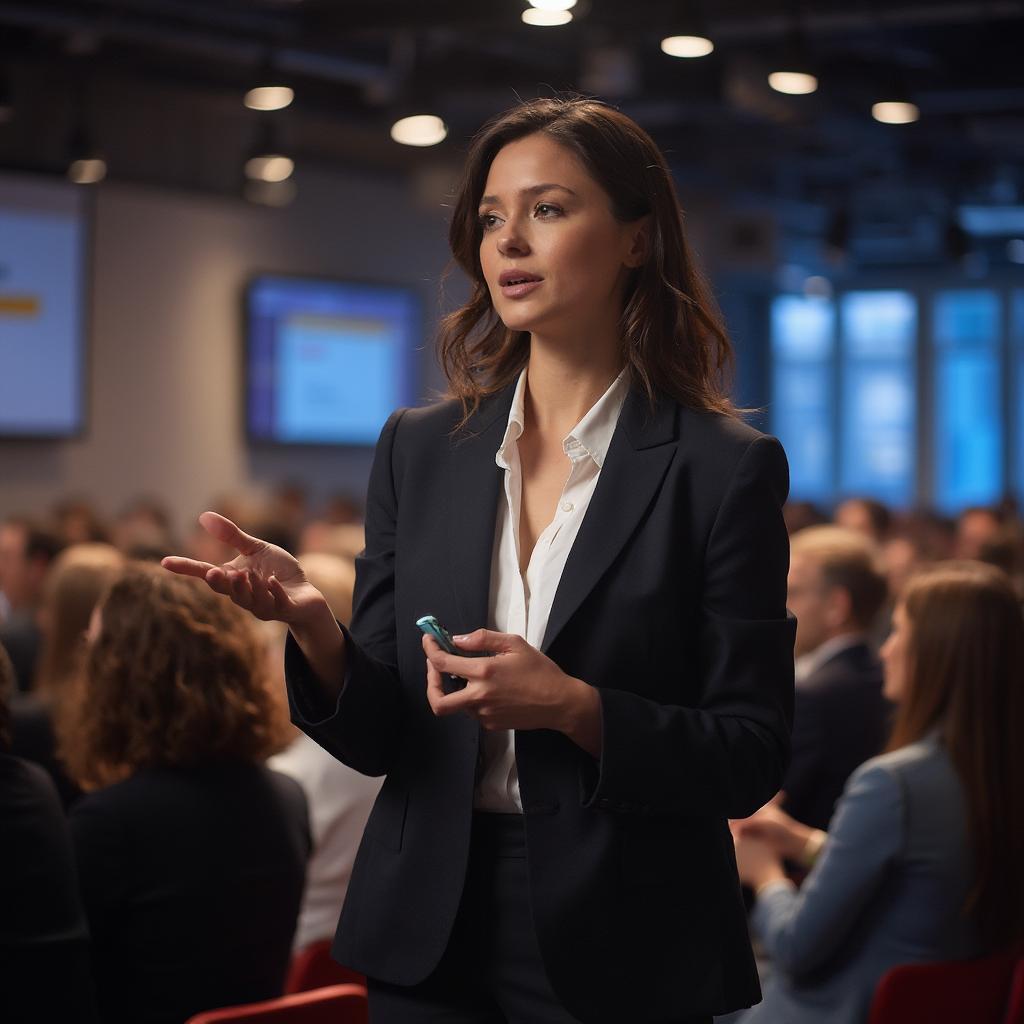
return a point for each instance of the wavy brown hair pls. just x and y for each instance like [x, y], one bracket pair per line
[175, 677]
[965, 675]
[673, 336]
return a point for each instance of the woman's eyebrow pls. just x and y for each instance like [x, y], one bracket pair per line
[531, 190]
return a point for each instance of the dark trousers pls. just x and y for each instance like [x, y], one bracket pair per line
[491, 972]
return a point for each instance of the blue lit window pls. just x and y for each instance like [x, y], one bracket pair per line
[803, 354]
[878, 400]
[1017, 352]
[968, 406]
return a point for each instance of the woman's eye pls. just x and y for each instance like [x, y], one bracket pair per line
[488, 220]
[547, 210]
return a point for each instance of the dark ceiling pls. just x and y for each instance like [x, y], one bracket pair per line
[159, 85]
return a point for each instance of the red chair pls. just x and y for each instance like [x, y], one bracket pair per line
[950, 992]
[1015, 1011]
[337, 1004]
[314, 967]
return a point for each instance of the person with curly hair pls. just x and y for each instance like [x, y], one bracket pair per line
[191, 853]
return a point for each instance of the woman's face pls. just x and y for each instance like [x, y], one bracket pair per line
[894, 655]
[555, 258]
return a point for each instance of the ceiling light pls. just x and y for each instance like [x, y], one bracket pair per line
[687, 46]
[419, 130]
[269, 97]
[552, 5]
[269, 167]
[793, 83]
[895, 112]
[534, 16]
[87, 171]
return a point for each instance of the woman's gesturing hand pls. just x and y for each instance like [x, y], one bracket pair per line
[264, 579]
[518, 687]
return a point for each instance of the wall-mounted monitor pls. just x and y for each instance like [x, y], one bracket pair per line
[327, 361]
[42, 308]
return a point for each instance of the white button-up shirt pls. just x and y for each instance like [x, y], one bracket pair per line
[521, 604]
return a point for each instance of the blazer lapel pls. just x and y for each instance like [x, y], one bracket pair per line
[473, 487]
[638, 458]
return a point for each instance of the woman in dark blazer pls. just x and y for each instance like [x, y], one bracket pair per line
[551, 841]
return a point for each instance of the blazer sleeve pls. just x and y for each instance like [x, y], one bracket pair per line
[726, 756]
[803, 776]
[801, 929]
[363, 728]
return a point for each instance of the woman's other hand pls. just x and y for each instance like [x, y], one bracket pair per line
[756, 861]
[786, 836]
[263, 579]
[517, 687]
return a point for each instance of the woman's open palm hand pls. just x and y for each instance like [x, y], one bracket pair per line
[264, 578]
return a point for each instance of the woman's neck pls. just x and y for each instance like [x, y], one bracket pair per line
[563, 385]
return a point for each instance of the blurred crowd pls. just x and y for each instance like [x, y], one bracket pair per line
[161, 815]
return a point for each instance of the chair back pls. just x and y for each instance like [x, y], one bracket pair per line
[336, 1004]
[1015, 1009]
[949, 992]
[314, 967]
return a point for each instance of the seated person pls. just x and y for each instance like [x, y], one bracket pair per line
[77, 580]
[340, 799]
[191, 853]
[922, 860]
[43, 934]
[840, 717]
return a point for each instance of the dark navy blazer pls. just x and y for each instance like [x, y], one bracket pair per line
[673, 604]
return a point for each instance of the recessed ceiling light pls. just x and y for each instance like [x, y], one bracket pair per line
[687, 46]
[87, 171]
[269, 97]
[552, 5]
[269, 167]
[419, 130]
[893, 112]
[534, 16]
[794, 83]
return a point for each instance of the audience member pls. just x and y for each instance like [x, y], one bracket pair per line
[191, 853]
[26, 551]
[340, 799]
[976, 527]
[864, 515]
[800, 515]
[77, 522]
[76, 582]
[44, 940]
[922, 860]
[142, 530]
[840, 717]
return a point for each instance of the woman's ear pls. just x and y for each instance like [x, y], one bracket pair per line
[639, 241]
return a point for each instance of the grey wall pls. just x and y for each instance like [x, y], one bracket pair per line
[165, 355]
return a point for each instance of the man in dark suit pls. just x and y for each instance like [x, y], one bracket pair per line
[840, 717]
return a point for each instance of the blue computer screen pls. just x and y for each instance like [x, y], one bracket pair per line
[42, 308]
[327, 361]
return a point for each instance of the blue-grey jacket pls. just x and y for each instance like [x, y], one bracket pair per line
[888, 889]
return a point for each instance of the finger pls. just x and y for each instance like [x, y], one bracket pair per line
[241, 589]
[478, 669]
[283, 604]
[217, 579]
[263, 605]
[186, 566]
[227, 532]
[435, 691]
[489, 640]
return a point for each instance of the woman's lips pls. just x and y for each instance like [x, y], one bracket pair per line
[516, 284]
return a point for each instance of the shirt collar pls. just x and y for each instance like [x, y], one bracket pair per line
[591, 436]
[808, 664]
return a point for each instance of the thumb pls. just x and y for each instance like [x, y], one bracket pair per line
[488, 640]
[227, 532]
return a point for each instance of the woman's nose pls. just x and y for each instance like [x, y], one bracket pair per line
[511, 241]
